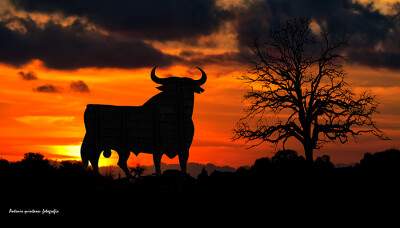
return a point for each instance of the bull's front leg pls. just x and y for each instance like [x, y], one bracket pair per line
[122, 162]
[157, 163]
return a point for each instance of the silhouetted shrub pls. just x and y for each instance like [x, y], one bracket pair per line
[203, 175]
[285, 155]
[33, 157]
[3, 163]
[324, 162]
[261, 165]
[288, 159]
[241, 170]
[388, 159]
[75, 165]
[138, 171]
[34, 162]
[72, 169]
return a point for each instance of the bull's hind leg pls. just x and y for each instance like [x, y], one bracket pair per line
[95, 165]
[94, 158]
[122, 162]
[157, 162]
[183, 158]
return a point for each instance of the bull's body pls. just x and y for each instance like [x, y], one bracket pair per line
[163, 125]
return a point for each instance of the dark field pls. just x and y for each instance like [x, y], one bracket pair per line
[283, 189]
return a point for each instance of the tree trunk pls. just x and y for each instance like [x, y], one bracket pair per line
[308, 150]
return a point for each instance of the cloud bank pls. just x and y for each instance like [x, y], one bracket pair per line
[73, 46]
[119, 34]
[150, 19]
[371, 35]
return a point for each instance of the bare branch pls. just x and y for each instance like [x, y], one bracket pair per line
[297, 72]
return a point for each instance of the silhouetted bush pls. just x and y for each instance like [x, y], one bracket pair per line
[71, 169]
[388, 159]
[324, 162]
[35, 164]
[28, 157]
[34, 159]
[288, 159]
[261, 165]
[3, 163]
[203, 175]
[71, 165]
[138, 171]
[285, 155]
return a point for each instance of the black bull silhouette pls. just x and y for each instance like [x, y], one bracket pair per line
[163, 125]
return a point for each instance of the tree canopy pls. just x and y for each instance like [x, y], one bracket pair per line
[297, 72]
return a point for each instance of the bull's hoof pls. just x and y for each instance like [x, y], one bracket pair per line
[156, 174]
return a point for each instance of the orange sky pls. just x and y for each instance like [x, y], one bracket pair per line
[52, 123]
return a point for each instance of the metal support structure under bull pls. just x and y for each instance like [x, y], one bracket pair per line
[163, 125]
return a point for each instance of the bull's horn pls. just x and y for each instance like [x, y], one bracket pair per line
[155, 78]
[203, 78]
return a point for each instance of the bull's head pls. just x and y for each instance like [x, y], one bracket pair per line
[173, 83]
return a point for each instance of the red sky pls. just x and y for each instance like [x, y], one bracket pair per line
[51, 121]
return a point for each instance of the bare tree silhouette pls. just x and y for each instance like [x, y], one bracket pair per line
[297, 72]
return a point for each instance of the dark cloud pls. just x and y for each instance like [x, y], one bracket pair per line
[79, 86]
[149, 19]
[48, 88]
[73, 47]
[128, 23]
[363, 26]
[227, 58]
[377, 59]
[359, 21]
[189, 53]
[30, 75]
[198, 58]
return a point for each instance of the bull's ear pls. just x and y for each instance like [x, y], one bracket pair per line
[166, 87]
[162, 88]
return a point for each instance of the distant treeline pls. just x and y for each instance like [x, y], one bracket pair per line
[283, 160]
[284, 179]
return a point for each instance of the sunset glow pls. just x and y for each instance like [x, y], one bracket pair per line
[43, 112]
